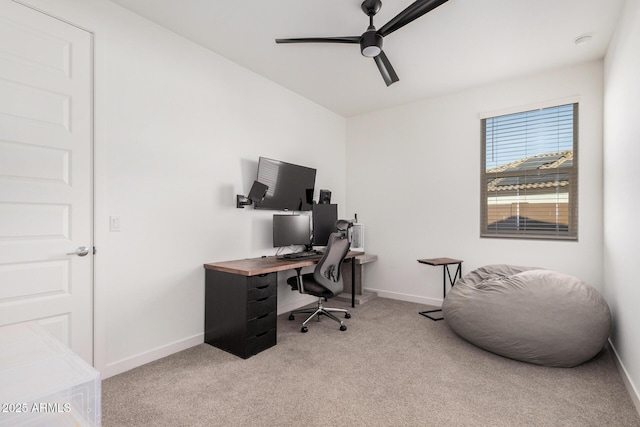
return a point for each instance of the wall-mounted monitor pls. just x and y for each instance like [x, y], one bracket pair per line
[290, 186]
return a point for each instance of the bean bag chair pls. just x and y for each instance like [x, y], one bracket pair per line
[529, 314]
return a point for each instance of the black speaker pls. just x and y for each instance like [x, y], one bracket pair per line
[257, 192]
[325, 197]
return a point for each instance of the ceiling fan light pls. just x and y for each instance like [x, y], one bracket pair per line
[371, 51]
[371, 44]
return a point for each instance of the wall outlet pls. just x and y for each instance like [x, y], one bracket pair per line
[115, 223]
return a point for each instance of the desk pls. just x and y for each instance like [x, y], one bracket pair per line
[241, 302]
[445, 262]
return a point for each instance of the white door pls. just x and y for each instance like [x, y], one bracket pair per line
[46, 188]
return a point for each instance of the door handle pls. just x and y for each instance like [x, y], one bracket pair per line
[81, 251]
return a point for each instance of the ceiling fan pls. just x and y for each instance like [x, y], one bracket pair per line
[371, 40]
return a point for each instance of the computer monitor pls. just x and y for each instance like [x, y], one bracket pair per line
[291, 230]
[325, 217]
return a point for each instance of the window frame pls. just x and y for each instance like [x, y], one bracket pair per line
[572, 233]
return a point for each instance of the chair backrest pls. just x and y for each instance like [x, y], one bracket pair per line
[327, 272]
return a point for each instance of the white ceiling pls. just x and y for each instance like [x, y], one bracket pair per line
[461, 44]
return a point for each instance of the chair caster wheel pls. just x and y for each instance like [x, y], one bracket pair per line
[343, 327]
[347, 316]
[304, 329]
[291, 317]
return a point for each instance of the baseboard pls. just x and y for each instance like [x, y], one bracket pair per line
[628, 383]
[406, 297]
[132, 362]
[129, 363]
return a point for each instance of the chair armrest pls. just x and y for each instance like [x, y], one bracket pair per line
[296, 282]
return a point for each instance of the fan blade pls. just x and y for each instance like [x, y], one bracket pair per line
[411, 13]
[353, 39]
[388, 73]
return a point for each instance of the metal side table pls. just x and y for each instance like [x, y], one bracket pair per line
[445, 263]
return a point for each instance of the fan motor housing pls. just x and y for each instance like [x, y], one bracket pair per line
[371, 44]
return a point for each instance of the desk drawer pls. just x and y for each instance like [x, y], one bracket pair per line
[261, 306]
[261, 280]
[262, 291]
[261, 324]
[261, 342]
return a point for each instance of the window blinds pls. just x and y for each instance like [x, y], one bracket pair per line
[529, 183]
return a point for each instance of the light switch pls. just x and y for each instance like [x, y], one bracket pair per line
[115, 223]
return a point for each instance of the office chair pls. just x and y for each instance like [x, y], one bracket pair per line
[326, 280]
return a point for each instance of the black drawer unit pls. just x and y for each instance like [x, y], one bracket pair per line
[240, 312]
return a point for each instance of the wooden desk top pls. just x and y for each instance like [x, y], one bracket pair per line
[270, 264]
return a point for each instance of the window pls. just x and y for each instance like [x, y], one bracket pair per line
[529, 174]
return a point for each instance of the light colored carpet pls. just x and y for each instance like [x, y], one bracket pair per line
[392, 367]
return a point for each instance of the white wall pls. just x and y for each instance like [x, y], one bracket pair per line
[413, 178]
[179, 130]
[621, 194]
